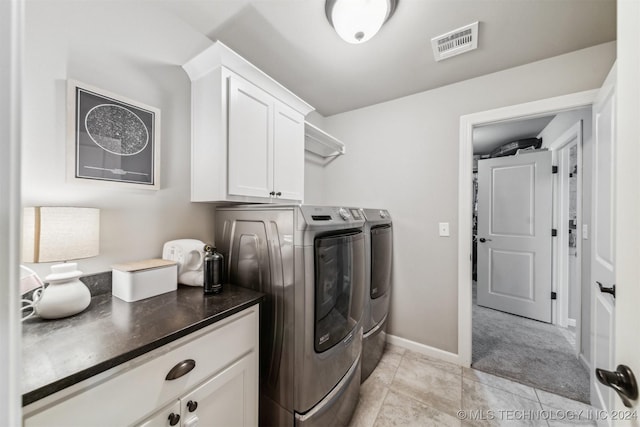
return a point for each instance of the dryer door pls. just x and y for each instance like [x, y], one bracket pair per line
[381, 253]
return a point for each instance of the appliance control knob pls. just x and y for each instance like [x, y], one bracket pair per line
[344, 214]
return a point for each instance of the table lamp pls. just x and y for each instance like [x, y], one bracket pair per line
[52, 234]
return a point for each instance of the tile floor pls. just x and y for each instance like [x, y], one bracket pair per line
[410, 389]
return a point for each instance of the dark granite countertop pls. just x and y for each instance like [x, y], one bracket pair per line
[59, 353]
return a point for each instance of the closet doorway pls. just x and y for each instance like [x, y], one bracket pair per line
[506, 341]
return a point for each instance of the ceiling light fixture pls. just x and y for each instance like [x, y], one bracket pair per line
[356, 21]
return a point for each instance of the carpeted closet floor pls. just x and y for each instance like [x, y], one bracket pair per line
[527, 351]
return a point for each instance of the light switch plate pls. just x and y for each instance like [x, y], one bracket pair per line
[444, 229]
[585, 231]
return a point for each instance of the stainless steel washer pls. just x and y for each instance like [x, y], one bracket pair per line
[310, 261]
[378, 231]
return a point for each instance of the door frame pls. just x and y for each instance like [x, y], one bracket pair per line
[465, 193]
[561, 278]
[11, 48]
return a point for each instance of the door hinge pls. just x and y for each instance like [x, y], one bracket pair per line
[554, 295]
[554, 232]
[554, 169]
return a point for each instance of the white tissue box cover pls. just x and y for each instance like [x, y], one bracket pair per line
[144, 279]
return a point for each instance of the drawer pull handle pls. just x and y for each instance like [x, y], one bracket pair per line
[173, 419]
[181, 369]
[192, 405]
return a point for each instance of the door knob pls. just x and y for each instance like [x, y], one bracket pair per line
[611, 290]
[482, 240]
[622, 381]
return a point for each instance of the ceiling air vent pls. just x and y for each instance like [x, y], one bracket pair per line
[455, 42]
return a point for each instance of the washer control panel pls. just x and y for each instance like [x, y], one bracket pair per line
[344, 214]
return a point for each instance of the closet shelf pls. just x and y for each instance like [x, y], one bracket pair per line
[321, 143]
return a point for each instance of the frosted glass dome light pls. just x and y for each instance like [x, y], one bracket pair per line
[357, 21]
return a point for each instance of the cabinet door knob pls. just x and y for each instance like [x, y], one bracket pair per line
[273, 193]
[181, 369]
[278, 194]
[192, 406]
[174, 419]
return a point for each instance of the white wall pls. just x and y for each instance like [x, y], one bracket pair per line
[135, 50]
[313, 168]
[550, 133]
[403, 155]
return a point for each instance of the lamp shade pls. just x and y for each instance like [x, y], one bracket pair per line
[357, 21]
[52, 234]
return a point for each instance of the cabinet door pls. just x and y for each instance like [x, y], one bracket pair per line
[288, 158]
[230, 399]
[250, 140]
[167, 416]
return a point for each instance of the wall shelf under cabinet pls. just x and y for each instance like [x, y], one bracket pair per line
[321, 143]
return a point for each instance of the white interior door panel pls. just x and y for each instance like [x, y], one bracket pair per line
[514, 234]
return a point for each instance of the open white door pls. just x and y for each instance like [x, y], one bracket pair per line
[514, 234]
[616, 241]
[603, 240]
[627, 203]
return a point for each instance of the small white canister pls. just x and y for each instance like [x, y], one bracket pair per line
[138, 280]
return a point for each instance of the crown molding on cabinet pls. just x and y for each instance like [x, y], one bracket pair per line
[219, 55]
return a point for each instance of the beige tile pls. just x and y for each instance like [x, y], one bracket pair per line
[391, 348]
[427, 383]
[559, 402]
[399, 410]
[501, 383]
[491, 406]
[388, 364]
[560, 417]
[440, 364]
[386, 369]
[372, 395]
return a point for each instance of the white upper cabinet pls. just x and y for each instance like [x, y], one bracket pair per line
[247, 132]
[250, 140]
[288, 153]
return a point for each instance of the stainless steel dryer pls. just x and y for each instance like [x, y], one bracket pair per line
[309, 260]
[378, 233]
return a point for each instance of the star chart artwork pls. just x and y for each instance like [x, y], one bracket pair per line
[114, 139]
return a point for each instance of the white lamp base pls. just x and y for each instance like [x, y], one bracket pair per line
[65, 295]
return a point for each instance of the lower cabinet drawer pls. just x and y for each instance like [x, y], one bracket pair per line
[129, 395]
[229, 399]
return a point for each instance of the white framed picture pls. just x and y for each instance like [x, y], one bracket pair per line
[112, 140]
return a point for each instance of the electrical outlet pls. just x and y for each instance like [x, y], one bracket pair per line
[444, 229]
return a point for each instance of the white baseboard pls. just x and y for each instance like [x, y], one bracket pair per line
[571, 322]
[584, 362]
[436, 353]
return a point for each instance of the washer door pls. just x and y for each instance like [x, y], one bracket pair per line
[339, 259]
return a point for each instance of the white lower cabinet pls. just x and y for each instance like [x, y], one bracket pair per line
[220, 401]
[216, 385]
[167, 416]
